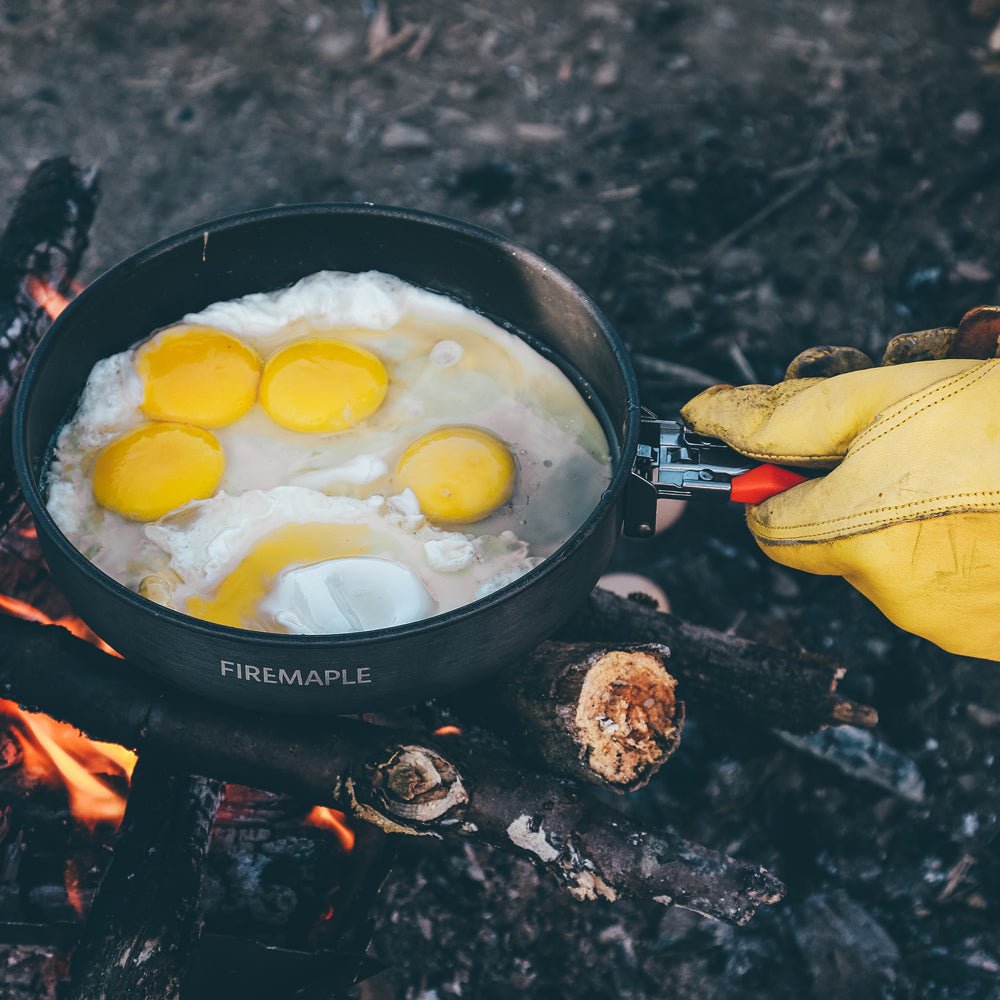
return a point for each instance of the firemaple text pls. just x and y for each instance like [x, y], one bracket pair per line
[302, 678]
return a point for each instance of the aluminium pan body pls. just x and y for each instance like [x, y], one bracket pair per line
[270, 249]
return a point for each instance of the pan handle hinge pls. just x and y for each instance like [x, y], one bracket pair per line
[673, 462]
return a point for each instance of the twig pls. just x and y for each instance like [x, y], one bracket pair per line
[674, 372]
[771, 208]
[742, 364]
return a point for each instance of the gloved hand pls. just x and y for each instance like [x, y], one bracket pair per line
[910, 513]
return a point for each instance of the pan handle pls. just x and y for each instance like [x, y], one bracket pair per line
[673, 462]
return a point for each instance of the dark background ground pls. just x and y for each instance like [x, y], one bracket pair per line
[733, 182]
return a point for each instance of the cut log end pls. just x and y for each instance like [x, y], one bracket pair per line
[628, 717]
[416, 783]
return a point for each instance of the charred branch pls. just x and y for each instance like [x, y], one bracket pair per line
[143, 928]
[43, 242]
[592, 851]
[400, 782]
[606, 715]
[45, 239]
[789, 690]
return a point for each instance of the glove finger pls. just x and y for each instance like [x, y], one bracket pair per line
[922, 345]
[978, 334]
[809, 421]
[826, 361]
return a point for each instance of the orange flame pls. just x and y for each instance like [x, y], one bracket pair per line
[55, 753]
[49, 298]
[21, 609]
[335, 820]
[448, 731]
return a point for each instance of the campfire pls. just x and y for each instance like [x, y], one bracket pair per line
[507, 764]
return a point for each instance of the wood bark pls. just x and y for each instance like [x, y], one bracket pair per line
[144, 925]
[400, 782]
[610, 716]
[791, 690]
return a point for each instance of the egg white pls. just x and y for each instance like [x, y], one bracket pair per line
[206, 540]
[446, 365]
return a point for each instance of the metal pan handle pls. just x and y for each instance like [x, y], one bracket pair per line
[673, 462]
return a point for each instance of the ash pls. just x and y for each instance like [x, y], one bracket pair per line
[732, 182]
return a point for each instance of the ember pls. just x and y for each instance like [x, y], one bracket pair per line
[73, 888]
[48, 297]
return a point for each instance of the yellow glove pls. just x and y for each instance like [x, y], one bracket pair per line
[910, 514]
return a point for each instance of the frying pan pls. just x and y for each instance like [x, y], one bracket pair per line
[269, 249]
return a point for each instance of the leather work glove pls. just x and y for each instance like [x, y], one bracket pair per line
[910, 513]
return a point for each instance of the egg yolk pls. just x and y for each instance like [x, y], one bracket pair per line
[237, 598]
[197, 375]
[157, 468]
[459, 474]
[322, 385]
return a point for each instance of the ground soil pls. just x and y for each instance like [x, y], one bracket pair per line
[732, 182]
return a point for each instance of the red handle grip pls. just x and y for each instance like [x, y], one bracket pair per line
[762, 483]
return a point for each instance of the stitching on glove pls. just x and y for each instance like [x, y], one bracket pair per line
[771, 457]
[880, 522]
[896, 506]
[969, 378]
[869, 526]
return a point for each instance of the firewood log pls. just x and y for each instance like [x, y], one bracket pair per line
[402, 782]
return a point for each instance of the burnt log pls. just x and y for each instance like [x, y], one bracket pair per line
[594, 852]
[269, 874]
[400, 782]
[43, 243]
[144, 925]
[608, 716]
[49, 230]
[795, 691]
[285, 907]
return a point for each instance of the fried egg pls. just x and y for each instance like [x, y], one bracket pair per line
[346, 454]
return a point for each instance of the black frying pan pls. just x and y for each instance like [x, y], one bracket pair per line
[266, 250]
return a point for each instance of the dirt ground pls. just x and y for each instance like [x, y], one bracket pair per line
[732, 182]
